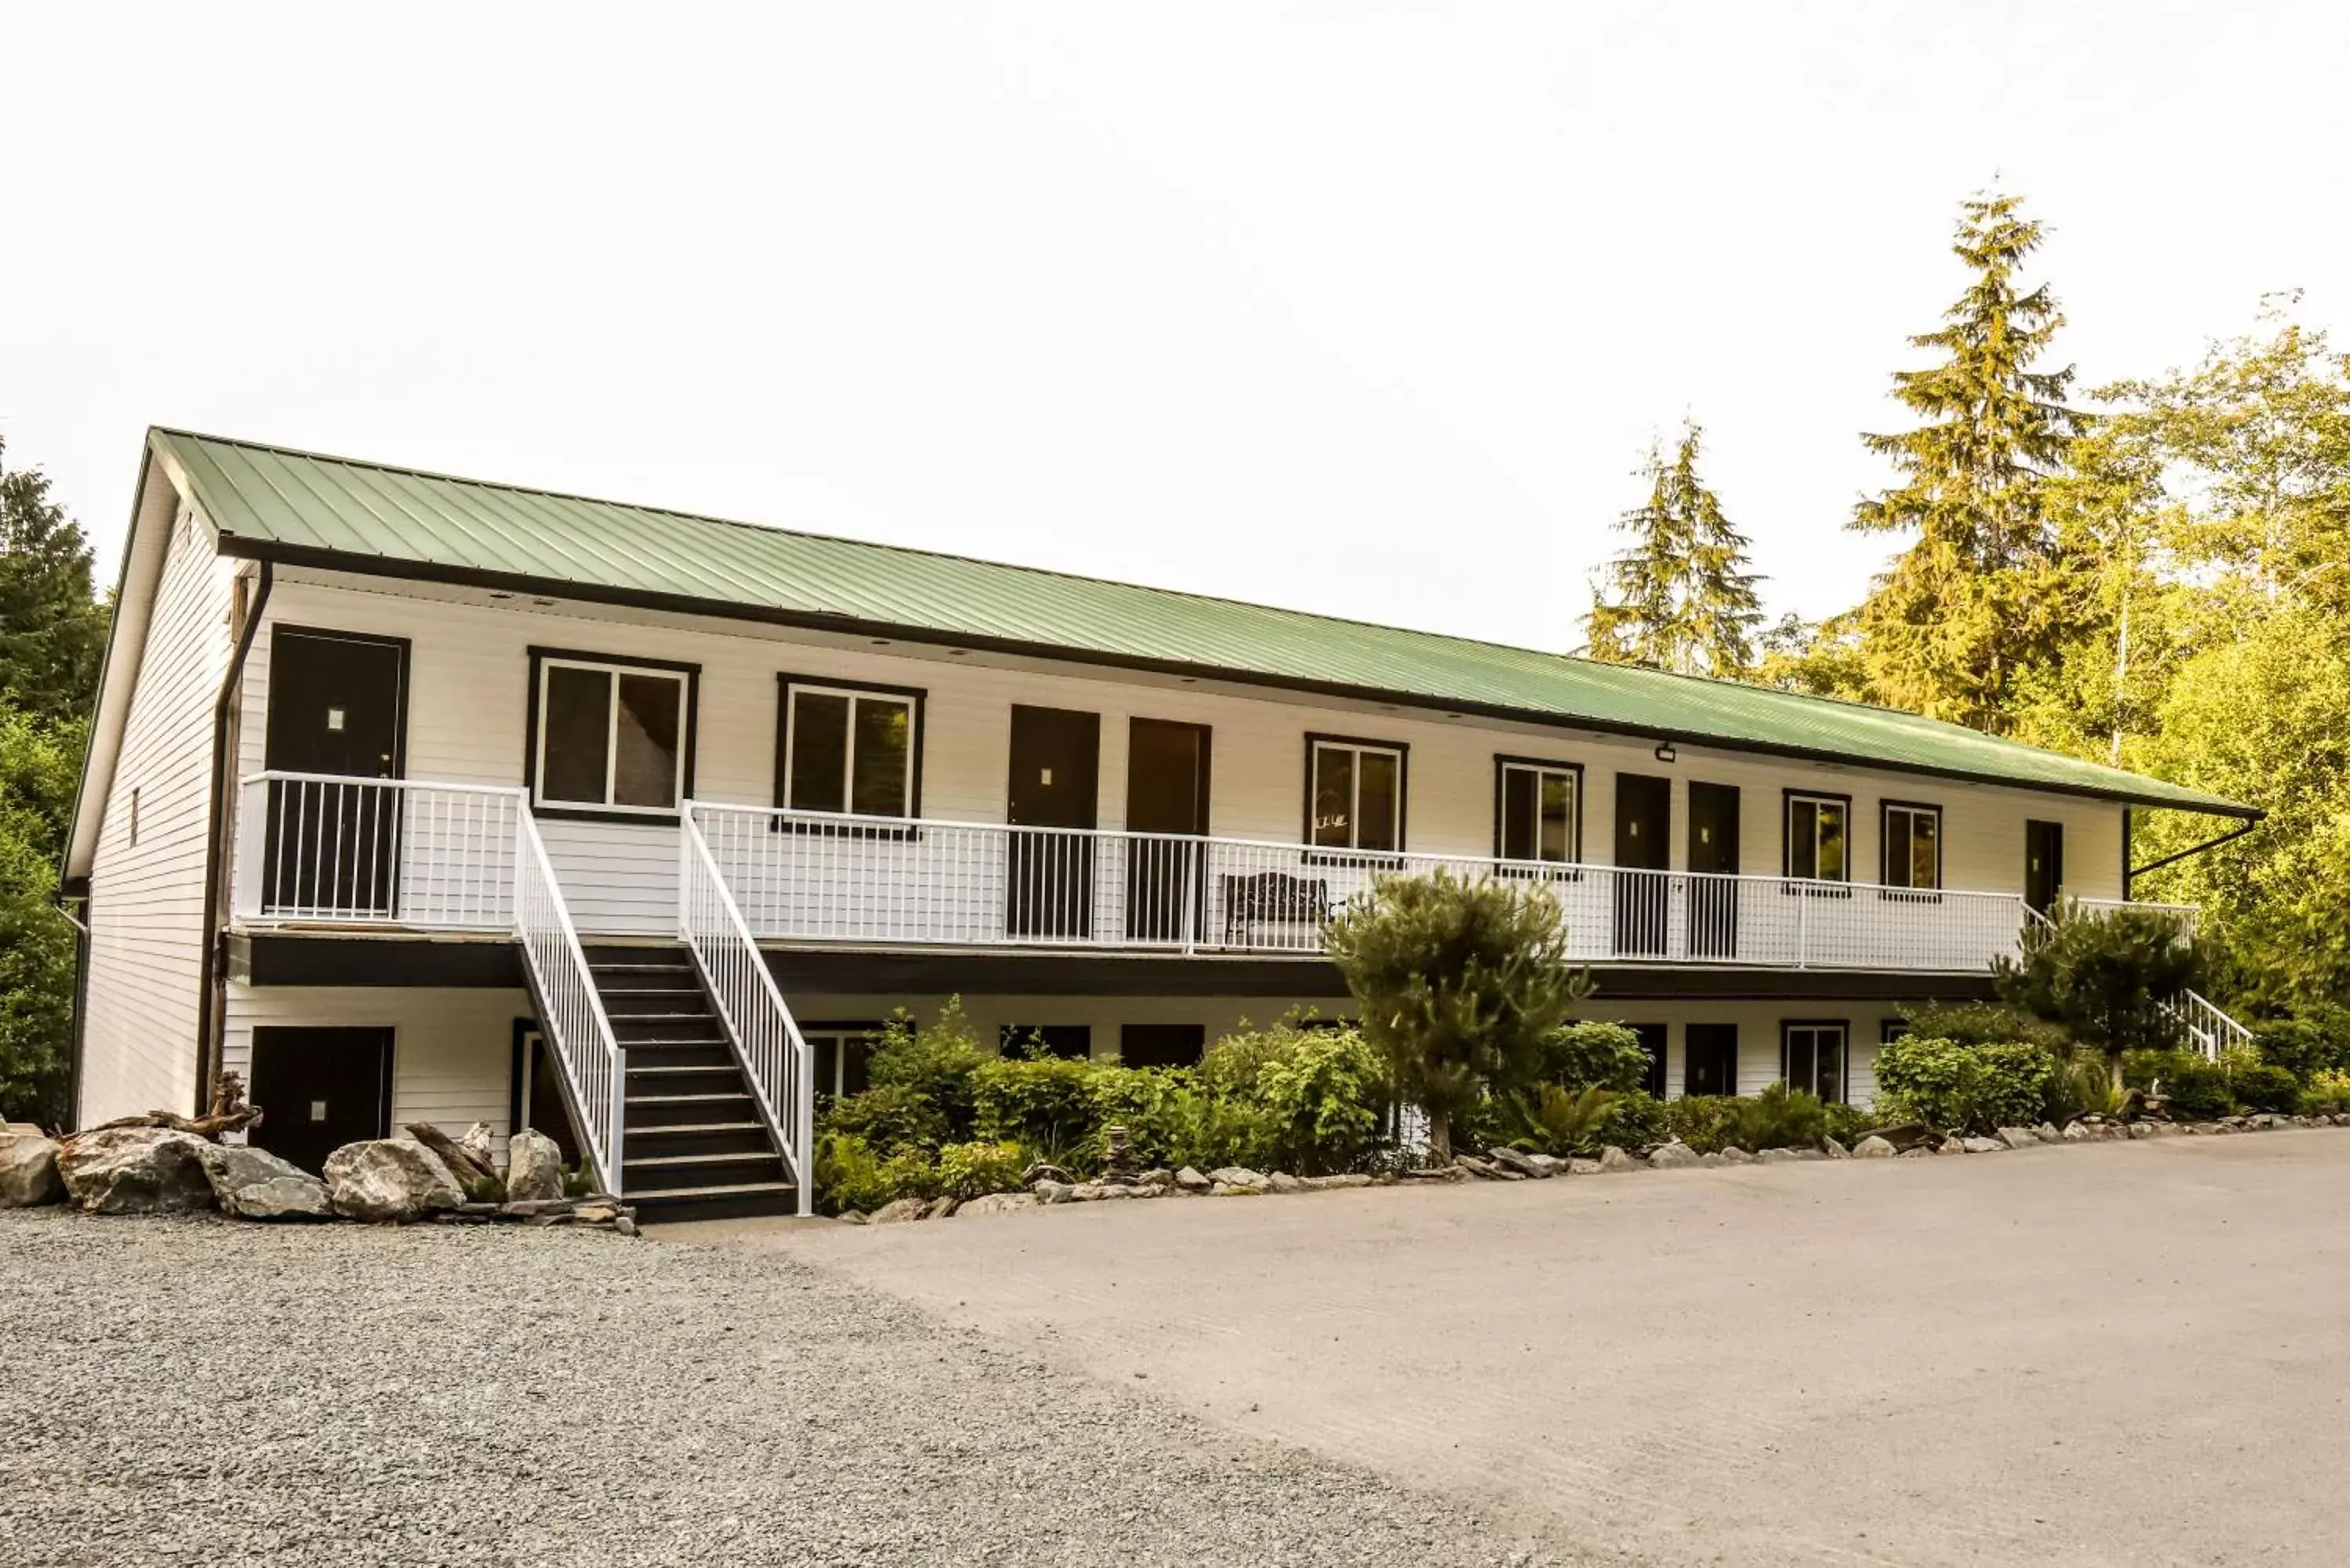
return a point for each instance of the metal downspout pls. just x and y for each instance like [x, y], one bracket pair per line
[210, 986]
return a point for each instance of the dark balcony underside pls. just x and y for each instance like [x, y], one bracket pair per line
[355, 958]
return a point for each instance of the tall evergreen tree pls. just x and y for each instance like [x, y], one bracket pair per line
[1947, 627]
[1681, 598]
[52, 628]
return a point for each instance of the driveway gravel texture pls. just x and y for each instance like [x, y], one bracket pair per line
[200, 1391]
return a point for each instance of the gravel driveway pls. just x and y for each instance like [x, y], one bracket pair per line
[202, 1392]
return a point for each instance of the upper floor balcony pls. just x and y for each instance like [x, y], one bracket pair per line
[320, 852]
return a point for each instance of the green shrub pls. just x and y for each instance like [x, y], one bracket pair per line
[888, 1117]
[1847, 1122]
[937, 1064]
[2082, 1085]
[1707, 1123]
[1961, 1087]
[1551, 1118]
[1638, 1121]
[1322, 1091]
[2105, 976]
[2328, 1093]
[2312, 1042]
[974, 1169]
[2262, 1086]
[2196, 1088]
[1780, 1118]
[1185, 1123]
[1986, 1024]
[850, 1174]
[1594, 1056]
[1042, 1102]
[1458, 983]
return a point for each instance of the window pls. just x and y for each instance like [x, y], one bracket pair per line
[1162, 1045]
[1539, 815]
[848, 748]
[1913, 844]
[1810, 1058]
[609, 735]
[1818, 836]
[1070, 1042]
[842, 1052]
[1353, 793]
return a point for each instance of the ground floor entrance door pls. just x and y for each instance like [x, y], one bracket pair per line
[338, 708]
[319, 1089]
[1713, 850]
[1643, 808]
[1709, 1059]
[1166, 794]
[1653, 1040]
[1049, 869]
[2044, 864]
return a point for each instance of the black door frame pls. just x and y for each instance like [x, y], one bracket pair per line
[390, 1037]
[1712, 1041]
[1148, 864]
[2054, 835]
[1642, 901]
[1066, 909]
[1714, 906]
[401, 648]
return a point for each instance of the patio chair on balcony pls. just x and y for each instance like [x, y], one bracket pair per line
[1272, 898]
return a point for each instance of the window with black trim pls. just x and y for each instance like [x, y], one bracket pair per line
[1162, 1045]
[848, 748]
[1912, 846]
[1538, 811]
[1355, 793]
[1812, 1057]
[609, 734]
[1819, 836]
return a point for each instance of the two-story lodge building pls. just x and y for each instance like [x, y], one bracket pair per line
[418, 797]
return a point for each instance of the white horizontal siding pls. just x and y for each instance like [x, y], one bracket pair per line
[467, 720]
[146, 898]
[452, 1050]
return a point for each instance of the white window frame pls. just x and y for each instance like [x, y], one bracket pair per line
[1787, 828]
[1816, 1027]
[1359, 749]
[1541, 772]
[908, 700]
[1912, 810]
[615, 668]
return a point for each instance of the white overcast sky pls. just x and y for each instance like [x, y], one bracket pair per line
[1365, 309]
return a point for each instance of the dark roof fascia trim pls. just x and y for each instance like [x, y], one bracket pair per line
[686, 604]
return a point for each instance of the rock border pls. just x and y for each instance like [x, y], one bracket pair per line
[1910, 1142]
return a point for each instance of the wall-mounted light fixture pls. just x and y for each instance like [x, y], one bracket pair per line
[1665, 752]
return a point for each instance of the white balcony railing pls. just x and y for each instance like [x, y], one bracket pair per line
[887, 882]
[324, 849]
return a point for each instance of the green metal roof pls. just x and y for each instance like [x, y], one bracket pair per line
[296, 506]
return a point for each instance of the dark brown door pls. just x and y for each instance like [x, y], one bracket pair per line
[1166, 794]
[1713, 850]
[537, 1100]
[2044, 864]
[1644, 809]
[338, 706]
[1049, 875]
[1709, 1059]
[319, 1089]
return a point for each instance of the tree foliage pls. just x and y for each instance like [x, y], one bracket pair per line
[1682, 597]
[52, 628]
[2106, 976]
[1460, 985]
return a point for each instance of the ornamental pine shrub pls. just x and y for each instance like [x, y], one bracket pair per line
[1966, 1088]
[2106, 976]
[2262, 1086]
[1459, 983]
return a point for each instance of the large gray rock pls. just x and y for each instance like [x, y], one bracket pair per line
[1834, 1149]
[254, 1184]
[28, 1171]
[1734, 1155]
[1984, 1146]
[1873, 1147]
[534, 1167]
[996, 1204]
[1348, 1178]
[1612, 1159]
[389, 1180]
[1282, 1181]
[1790, 1156]
[2019, 1138]
[1191, 1180]
[1241, 1177]
[1673, 1157]
[135, 1170]
[900, 1212]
